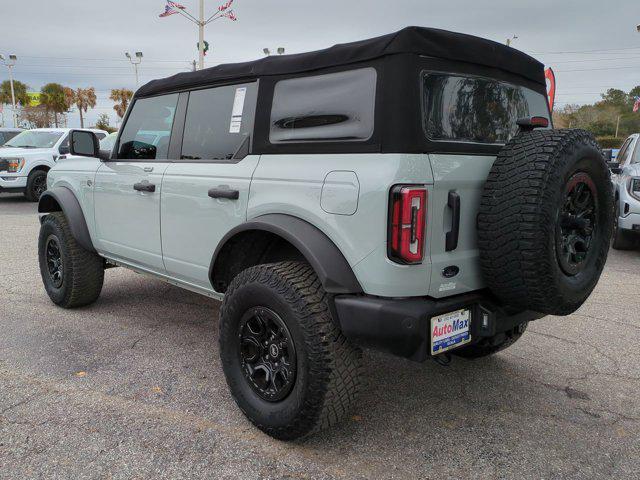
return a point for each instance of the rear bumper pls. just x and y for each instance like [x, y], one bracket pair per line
[401, 327]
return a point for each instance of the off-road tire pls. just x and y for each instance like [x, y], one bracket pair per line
[621, 239]
[491, 345]
[82, 271]
[519, 220]
[328, 367]
[31, 192]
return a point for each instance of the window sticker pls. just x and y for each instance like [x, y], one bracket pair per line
[238, 107]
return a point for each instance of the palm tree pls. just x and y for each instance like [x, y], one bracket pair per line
[19, 89]
[82, 98]
[52, 96]
[121, 96]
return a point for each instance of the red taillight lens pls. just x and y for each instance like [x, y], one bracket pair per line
[407, 221]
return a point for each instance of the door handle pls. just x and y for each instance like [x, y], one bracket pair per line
[451, 241]
[224, 193]
[144, 187]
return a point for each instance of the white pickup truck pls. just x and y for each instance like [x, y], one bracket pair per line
[27, 157]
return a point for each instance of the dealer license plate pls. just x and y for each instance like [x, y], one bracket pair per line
[450, 330]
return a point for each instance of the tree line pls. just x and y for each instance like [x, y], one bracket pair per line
[610, 119]
[57, 100]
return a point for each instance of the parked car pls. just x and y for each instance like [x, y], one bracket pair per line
[626, 180]
[610, 154]
[7, 134]
[404, 193]
[108, 142]
[27, 157]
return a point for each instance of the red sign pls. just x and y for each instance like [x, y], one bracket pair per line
[551, 86]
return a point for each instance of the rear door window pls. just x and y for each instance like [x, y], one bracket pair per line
[332, 107]
[218, 121]
[147, 132]
[475, 109]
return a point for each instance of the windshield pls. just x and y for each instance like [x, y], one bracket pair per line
[473, 109]
[34, 139]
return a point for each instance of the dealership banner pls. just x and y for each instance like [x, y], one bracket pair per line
[34, 99]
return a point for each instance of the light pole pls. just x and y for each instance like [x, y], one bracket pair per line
[267, 52]
[201, 24]
[135, 62]
[224, 11]
[10, 64]
[510, 40]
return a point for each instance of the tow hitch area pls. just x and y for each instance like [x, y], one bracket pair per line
[444, 359]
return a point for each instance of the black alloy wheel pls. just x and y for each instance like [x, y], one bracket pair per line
[39, 185]
[53, 257]
[267, 354]
[577, 223]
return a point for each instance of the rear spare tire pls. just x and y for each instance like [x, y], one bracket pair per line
[545, 221]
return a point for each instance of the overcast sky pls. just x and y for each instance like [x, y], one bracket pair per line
[592, 44]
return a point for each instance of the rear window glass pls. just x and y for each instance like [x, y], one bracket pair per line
[331, 107]
[475, 109]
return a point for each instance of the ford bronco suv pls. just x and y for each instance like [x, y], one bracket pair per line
[27, 157]
[404, 193]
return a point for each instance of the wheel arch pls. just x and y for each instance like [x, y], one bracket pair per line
[40, 167]
[62, 199]
[312, 245]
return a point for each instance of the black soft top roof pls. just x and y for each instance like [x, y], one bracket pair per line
[417, 40]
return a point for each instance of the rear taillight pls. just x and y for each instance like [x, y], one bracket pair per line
[407, 221]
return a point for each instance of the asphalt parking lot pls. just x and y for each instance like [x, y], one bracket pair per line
[131, 387]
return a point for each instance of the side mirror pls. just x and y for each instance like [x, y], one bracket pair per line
[608, 154]
[64, 150]
[614, 167]
[84, 143]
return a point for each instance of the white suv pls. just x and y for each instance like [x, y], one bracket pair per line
[26, 158]
[403, 193]
[626, 179]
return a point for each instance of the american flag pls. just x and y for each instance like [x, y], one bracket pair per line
[230, 15]
[225, 6]
[636, 106]
[175, 5]
[167, 11]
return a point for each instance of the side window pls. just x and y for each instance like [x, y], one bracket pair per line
[323, 108]
[636, 154]
[623, 155]
[147, 132]
[100, 135]
[64, 146]
[218, 121]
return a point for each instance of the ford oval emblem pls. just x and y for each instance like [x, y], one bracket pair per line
[450, 272]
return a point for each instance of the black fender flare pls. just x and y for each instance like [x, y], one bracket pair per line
[323, 255]
[62, 198]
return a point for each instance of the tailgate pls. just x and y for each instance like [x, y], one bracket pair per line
[464, 175]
